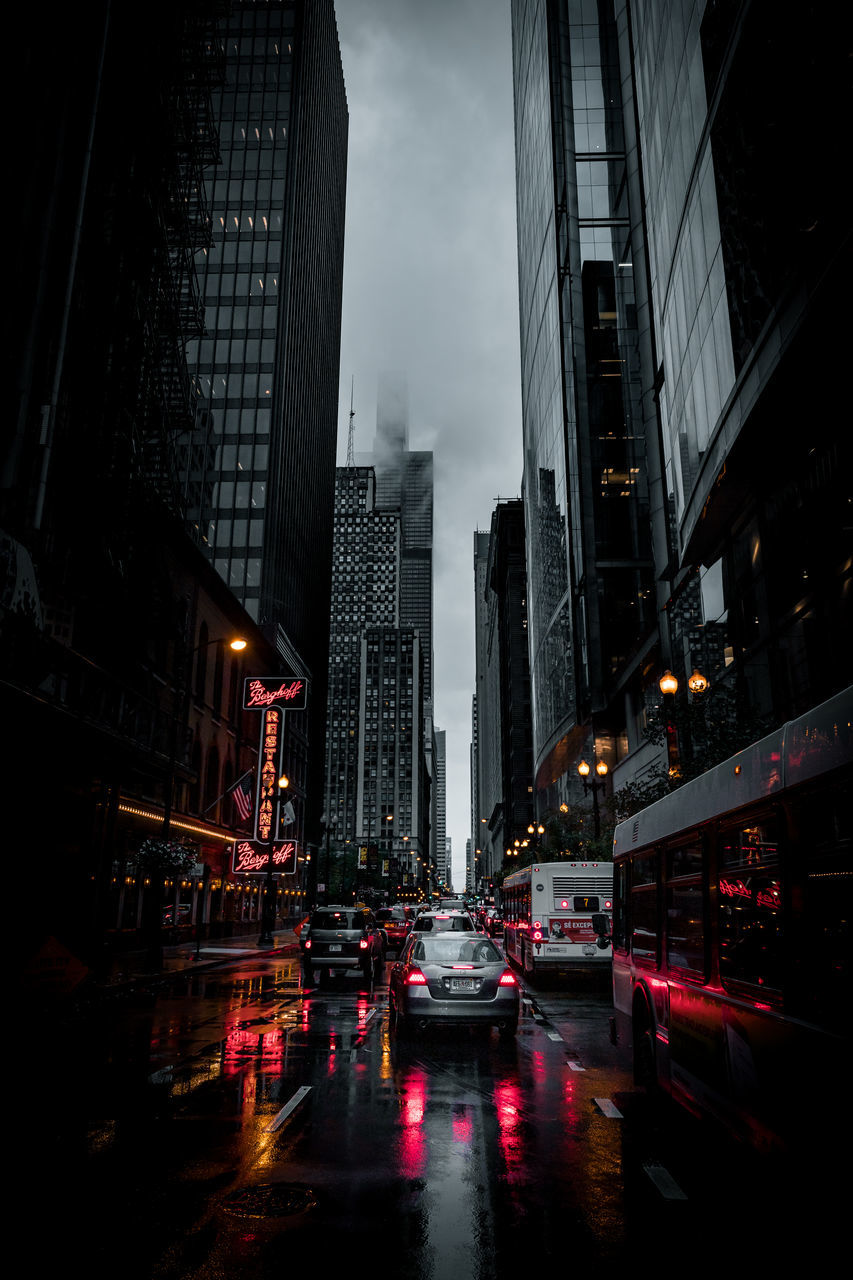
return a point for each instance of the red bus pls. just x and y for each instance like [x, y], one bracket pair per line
[732, 931]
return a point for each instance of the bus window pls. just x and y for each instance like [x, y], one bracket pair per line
[644, 908]
[686, 929]
[750, 906]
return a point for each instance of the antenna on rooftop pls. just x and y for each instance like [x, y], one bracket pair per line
[351, 433]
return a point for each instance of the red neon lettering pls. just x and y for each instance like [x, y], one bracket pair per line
[261, 697]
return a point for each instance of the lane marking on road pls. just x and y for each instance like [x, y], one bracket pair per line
[664, 1181]
[298, 1097]
[608, 1108]
[554, 1035]
[575, 1066]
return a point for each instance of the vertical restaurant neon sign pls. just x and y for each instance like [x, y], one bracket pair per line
[268, 773]
[271, 695]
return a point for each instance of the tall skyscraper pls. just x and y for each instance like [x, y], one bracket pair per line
[404, 481]
[749, 272]
[443, 869]
[260, 466]
[376, 790]
[590, 584]
[676, 292]
[112, 625]
[505, 790]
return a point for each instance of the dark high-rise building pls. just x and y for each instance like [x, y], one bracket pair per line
[586, 499]
[749, 272]
[687, 461]
[261, 466]
[119, 700]
[505, 793]
[404, 481]
[377, 795]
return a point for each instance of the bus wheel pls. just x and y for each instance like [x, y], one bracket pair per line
[645, 1068]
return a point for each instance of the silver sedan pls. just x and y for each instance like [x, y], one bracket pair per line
[452, 977]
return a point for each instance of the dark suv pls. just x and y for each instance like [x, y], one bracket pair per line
[395, 925]
[341, 940]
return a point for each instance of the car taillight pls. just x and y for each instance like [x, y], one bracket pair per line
[364, 944]
[307, 944]
[507, 979]
[414, 978]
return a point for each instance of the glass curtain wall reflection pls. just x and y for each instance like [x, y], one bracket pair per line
[585, 491]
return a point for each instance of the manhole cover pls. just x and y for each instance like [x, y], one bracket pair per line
[271, 1200]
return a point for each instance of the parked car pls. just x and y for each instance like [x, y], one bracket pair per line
[340, 939]
[452, 977]
[394, 924]
[183, 916]
[443, 921]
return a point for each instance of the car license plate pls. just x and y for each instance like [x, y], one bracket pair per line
[463, 984]
[589, 949]
[334, 947]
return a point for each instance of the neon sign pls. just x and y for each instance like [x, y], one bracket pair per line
[253, 857]
[762, 897]
[264, 691]
[268, 774]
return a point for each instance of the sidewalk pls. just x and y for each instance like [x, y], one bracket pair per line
[133, 969]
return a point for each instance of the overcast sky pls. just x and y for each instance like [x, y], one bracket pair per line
[430, 290]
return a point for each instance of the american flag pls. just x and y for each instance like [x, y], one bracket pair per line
[242, 793]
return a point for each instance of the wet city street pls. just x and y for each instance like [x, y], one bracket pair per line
[233, 1123]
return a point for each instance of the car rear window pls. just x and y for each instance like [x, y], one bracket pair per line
[445, 949]
[336, 920]
[443, 924]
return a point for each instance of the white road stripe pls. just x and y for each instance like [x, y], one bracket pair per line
[294, 1102]
[608, 1108]
[664, 1181]
[554, 1035]
[575, 1066]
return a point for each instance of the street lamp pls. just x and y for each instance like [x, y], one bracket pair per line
[594, 785]
[668, 685]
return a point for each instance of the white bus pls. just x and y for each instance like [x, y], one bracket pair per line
[557, 917]
[732, 933]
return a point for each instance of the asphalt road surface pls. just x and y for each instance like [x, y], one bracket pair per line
[238, 1125]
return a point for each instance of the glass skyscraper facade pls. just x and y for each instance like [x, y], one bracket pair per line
[590, 594]
[683, 255]
[260, 465]
[260, 474]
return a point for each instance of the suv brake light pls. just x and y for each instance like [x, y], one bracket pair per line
[364, 944]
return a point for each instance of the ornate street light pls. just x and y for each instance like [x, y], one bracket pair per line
[594, 785]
